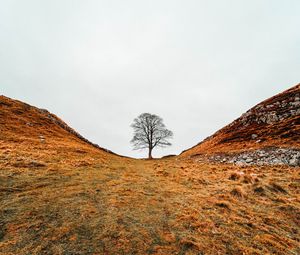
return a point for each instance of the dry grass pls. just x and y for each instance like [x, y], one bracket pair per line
[237, 136]
[238, 192]
[62, 196]
[123, 206]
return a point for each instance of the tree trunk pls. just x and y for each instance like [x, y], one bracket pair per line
[150, 153]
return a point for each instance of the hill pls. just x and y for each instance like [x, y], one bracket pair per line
[63, 195]
[269, 133]
[25, 129]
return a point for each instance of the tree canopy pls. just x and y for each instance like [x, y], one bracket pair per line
[150, 132]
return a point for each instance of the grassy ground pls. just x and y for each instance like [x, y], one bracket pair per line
[60, 195]
[81, 204]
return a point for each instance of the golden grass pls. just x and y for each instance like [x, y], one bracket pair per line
[237, 136]
[60, 195]
[112, 205]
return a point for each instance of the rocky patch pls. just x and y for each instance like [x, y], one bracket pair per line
[266, 156]
[273, 123]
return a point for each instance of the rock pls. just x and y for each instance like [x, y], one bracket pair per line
[276, 161]
[239, 163]
[42, 138]
[267, 156]
[248, 160]
[254, 136]
[295, 161]
[296, 103]
[271, 118]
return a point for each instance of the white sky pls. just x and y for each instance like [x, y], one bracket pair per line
[99, 64]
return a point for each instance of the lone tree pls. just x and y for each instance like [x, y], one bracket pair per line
[150, 132]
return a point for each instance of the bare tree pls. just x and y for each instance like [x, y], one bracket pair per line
[150, 132]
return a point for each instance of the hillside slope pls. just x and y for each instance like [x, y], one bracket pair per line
[62, 195]
[28, 121]
[28, 129]
[269, 129]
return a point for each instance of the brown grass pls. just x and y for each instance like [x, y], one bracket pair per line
[76, 199]
[238, 192]
[123, 206]
[237, 137]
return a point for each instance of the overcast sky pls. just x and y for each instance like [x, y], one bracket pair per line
[99, 64]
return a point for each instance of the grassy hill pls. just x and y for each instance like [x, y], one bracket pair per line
[61, 194]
